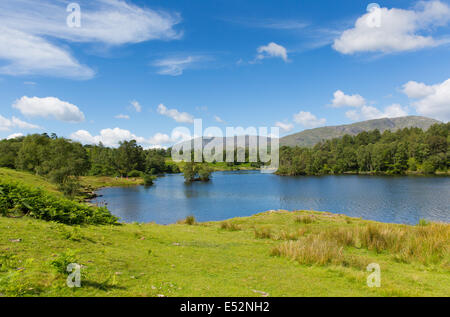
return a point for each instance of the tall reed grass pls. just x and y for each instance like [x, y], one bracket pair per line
[426, 244]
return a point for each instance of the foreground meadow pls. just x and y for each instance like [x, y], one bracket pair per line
[274, 253]
[270, 254]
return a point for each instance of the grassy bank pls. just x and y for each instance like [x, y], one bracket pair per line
[241, 257]
[88, 183]
[97, 182]
[280, 253]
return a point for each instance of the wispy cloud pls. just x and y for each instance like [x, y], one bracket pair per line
[280, 24]
[8, 124]
[136, 105]
[218, 119]
[122, 116]
[175, 66]
[28, 27]
[286, 127]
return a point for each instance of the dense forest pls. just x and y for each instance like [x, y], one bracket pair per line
[406, 150]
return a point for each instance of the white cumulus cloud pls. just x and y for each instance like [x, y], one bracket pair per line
[431, 100]
[394, 30]
[370, 113]
[182, 117]
[14, 136]
[49, 107]
[112, 137]
[342, 100]
[308, 120]
[272, 50]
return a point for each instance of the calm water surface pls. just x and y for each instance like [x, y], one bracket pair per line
[236, 194]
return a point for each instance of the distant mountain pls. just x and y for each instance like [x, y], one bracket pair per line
[214, 141]
[310, 137]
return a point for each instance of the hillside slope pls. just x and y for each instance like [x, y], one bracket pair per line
[311, 137]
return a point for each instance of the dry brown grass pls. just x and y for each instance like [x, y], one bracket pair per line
[312, 250]
[428, 244]
[230, 226]
[263, 233]
[306, 219]
[292, 235]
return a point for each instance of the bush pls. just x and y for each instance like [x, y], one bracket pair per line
[423, 222]
[196, 172]
[63, 260]
[189, 172]
[70, 187]
[148, 180]
[190, 220]
[204, 173]
[34, 202]
[134, 173]
[428, 167]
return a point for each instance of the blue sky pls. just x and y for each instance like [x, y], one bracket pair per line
[138, 69]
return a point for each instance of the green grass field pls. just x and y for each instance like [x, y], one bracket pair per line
[276, 253]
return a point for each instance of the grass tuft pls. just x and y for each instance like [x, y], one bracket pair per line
[230, 226]
[292, 235]
[263, 233]
[312, 250]
[307, 219]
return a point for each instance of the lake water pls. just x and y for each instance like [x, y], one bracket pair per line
[403, 199]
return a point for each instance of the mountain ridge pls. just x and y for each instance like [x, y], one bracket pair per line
[310, 137]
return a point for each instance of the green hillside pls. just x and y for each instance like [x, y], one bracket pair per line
[310, 137]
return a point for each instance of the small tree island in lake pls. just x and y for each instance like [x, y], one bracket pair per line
[196, 172]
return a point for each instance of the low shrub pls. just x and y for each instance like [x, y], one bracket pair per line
[423, 222]
[148, 180]
[189, 220]
[134, 173]
[20, 200]
[61, 262]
